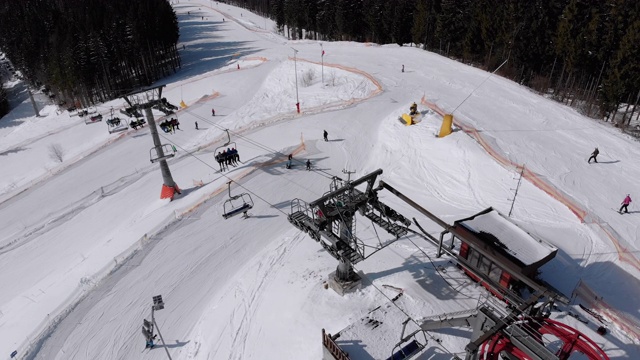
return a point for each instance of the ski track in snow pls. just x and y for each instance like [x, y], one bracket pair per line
[249, 297]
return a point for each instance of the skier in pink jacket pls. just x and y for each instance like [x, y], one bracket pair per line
[625, 203]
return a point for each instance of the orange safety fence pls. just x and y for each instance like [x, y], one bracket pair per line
[624, 321]
[621, 245]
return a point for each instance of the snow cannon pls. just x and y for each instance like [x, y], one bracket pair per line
[446, 128]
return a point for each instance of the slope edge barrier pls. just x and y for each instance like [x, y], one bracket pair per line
[541, 183]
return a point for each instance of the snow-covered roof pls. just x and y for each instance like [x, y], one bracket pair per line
[495, 229]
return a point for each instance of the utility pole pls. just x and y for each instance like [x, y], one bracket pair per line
[517, 188]
[158, 304]
[295, 68]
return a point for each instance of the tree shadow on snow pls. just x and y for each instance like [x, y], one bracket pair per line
[204, 51]
[12, 151]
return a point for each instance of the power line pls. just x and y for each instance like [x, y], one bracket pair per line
[256, 143]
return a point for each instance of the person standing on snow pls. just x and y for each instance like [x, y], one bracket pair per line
[213, 112]
[625, 204]
[308, 164]
[594, 155]
[196, 125]
[326, 135]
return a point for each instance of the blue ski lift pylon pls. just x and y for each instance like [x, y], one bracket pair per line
[162, 152]
[237, 204]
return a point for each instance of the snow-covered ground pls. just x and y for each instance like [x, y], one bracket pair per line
[86, 243]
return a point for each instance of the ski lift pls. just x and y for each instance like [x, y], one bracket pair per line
[408, 346]
[137, 123]
[237, 204]
[227, 144]
[92, 119]
[115, 124]
[162, 152]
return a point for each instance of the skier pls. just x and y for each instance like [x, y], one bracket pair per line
[402, 68]
[625, 204]
[594, 154]
[308, 164]
[196, 125]
[326, 135]
[213, 112]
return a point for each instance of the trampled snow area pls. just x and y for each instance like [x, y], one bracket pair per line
[86, 243]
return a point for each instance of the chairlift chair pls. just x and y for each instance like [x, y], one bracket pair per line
[237, 204]
[134, 124]
[227, 145]
[162, 152]
[115, 124]
[92, 119]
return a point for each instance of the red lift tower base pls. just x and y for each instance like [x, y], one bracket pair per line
[169, 191]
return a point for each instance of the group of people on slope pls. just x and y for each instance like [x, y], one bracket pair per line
[227, 157]
[289, 164]
[627, 200]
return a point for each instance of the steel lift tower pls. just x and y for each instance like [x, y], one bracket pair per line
[145, 99]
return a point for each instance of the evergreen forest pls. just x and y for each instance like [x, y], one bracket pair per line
[88, 51]
[581, 52]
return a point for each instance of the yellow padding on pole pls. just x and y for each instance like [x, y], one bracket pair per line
[447, 122]
[182, 104]
[407, 118]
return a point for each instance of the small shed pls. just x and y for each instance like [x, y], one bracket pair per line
[495, 246]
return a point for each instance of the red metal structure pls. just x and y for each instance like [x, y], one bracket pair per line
[572, 341]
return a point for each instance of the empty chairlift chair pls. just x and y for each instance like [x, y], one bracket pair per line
[237, 204]
[162, 152]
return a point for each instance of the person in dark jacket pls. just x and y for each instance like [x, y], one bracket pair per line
[308, 164]
[326, 135]
[594, 155]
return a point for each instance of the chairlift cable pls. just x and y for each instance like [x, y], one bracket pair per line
[254, 142]
[222, 174]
